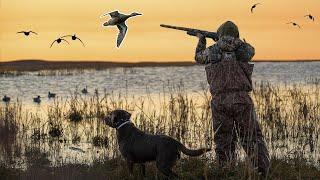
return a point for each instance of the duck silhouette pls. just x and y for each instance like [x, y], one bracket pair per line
[310, 17]
[6, 99]
[37, 99]
[294, 24]
[254, 6]
[73, 37]
[118, 19]
[59, 40]
[51, 95]
[84, 90]
[27, 33]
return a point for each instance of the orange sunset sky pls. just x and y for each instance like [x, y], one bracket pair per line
[265, 29]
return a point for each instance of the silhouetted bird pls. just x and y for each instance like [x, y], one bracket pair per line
[294, 24]
[85, 90]
[254, 6]
[51, 95]
[118, 19]
[310, 17]
[6, 99]
[73, 37]
[59, 40]
[27, 33]
[37, 99]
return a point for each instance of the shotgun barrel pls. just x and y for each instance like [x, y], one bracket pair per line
[193, 32]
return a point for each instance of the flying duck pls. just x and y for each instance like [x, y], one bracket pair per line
[254, 6]
[27, 33]
[310, 17]
[294, 24]
[118, 19]
[59, 40]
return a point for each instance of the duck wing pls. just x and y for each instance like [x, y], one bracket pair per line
[80, 41]
[122, 33]
[33, 32]
[52, 43]
[66, 36]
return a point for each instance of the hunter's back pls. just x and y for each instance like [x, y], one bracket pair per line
[229, 75]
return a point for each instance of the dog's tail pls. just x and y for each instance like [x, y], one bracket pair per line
[191, 152]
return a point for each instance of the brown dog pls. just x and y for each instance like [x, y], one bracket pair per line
[139, 147]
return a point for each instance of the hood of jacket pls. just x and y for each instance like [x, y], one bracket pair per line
[228, 37]
[228, 29]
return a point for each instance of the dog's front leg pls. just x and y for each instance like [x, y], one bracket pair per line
[130, 167]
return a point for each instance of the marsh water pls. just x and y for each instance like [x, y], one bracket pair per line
[161, 88]
[142, 80]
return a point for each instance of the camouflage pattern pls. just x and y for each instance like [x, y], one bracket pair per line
[228, 29]
[213, 54]
[236, 121]
[229, 77]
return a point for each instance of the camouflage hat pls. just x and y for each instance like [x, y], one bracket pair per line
[228, 29]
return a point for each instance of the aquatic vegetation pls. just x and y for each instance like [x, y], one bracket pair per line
[56, 132]
[75, 116]
[100, 141]
[288, 115]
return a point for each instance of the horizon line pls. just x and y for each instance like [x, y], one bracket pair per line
[149, 61]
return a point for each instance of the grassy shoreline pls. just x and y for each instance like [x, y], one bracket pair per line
[289, 118]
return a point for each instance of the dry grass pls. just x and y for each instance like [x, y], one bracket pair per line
[289, 117]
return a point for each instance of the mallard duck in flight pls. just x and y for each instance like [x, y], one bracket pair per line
[118, 19]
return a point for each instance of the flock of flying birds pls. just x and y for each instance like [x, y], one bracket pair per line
[309, 16]
[59, 40]
[119, 19]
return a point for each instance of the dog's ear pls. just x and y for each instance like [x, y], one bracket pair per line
[128, 115]
[121, 115]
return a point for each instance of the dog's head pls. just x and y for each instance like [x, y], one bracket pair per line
[116, 118]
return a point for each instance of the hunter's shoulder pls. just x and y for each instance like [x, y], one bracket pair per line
[214, 48]
[245, 52]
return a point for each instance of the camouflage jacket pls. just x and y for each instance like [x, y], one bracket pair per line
[244, 51]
